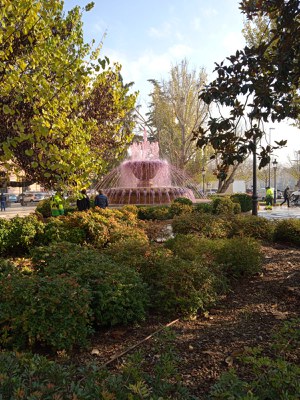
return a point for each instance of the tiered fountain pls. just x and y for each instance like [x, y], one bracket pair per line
[144, 178]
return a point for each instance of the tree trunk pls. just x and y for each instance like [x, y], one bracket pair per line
[224, 185]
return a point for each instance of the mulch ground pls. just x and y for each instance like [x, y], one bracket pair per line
[209, 345]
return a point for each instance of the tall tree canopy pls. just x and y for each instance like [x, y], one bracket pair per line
[45, 79]
[176, 111]
[258, 84]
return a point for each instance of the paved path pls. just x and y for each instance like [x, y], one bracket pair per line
[280, 212]
[276, 213]
[17, 209]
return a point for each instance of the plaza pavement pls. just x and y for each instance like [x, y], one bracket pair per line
[276, 213]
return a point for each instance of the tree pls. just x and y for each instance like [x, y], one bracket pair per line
[257, 83]
[110, 104]
[176, 111]
[45, 79]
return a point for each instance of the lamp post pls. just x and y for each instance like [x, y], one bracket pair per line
[203, 179]
[270, 129]
[275, 188]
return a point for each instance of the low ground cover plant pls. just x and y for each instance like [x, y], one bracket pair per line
[28, 376]
[271, 375]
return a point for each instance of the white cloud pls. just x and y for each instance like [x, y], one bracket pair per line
[164, 31]
[209, 12]
[233, 41]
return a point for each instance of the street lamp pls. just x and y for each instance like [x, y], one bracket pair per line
[270, 129]
[275, 188]
[203, 178]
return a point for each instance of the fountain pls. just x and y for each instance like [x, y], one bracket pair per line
[145, 178]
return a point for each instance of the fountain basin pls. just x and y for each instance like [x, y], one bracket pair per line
[147, 195]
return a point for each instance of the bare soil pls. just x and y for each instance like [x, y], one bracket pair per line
[209, 345]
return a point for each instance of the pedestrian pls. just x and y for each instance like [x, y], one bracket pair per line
[269, 196]
[57, 205]
[101, 200]
[83, 201]
[286, 196]
[3, 201]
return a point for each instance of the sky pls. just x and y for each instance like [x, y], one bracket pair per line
[148, 37]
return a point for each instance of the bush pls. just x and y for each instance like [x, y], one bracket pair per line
[51, 311]
[183, 200]
[56, 230]
[178, 208]
[128, 251]
[233, 258]
[288, 231]
[244, 200]
[156, 212]
[239, 257]
[253, 226]
[203, 208]
[118, 294]
[177, 285]
[205, 225]
[223, 205]
[43, 207]
[20, 235]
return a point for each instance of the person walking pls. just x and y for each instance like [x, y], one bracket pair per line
[286, 196]
[3, 201]
[83, 201]
[101, 200]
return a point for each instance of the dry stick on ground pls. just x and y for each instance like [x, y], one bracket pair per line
[114, 358]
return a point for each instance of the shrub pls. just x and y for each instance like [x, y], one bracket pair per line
[56, 230]
[236, 257]
[244, 200]
[178, 208]
[237, 208]
[177, 285]
[156, 212]
[130, 208]
[288, 231]
[128, 251]
[203, 208]
[118, 294]
[205, 225]
[239, 257]
[253, 226]
[94, 225]
[51, 311]
[43, 207]
[222, 205]
[183, 200]
[21, 234]
[4, 226]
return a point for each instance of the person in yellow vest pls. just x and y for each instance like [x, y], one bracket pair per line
[57, 205]
[269, 196]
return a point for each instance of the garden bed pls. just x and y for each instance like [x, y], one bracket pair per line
[210, 345]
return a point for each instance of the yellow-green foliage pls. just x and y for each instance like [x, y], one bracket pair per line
[253, 226]
[202, 224]
[236, 256]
